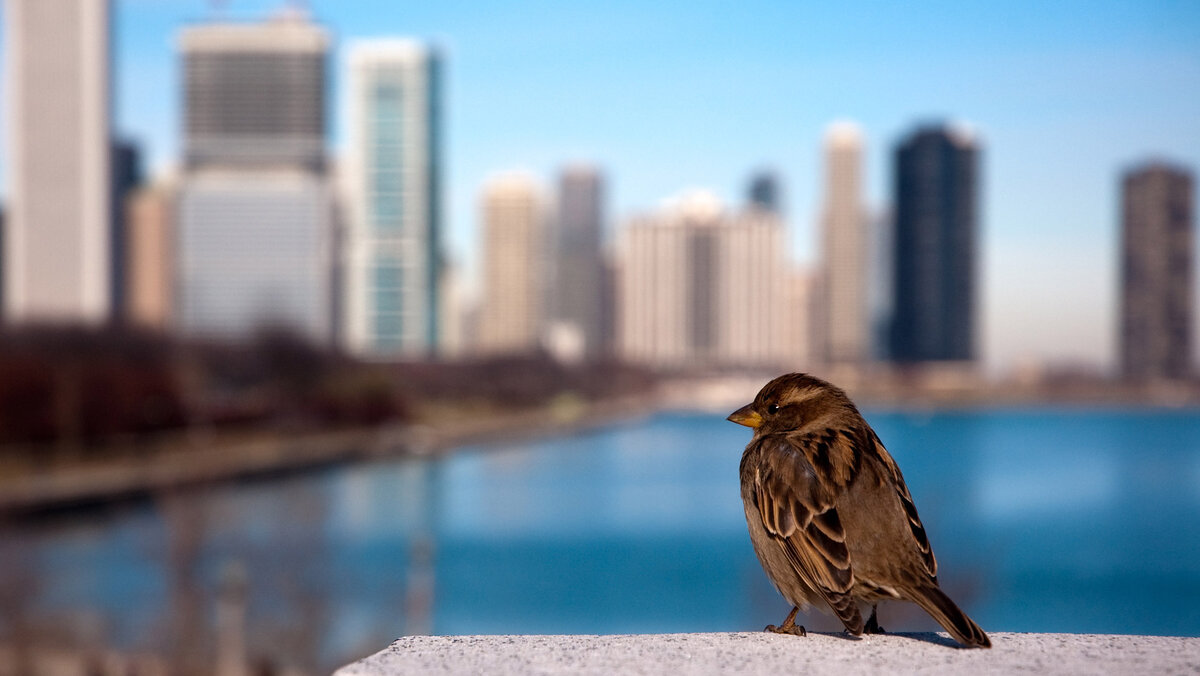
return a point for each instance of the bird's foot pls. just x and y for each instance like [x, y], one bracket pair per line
[872, 625]
[794, 629]
[789, 626]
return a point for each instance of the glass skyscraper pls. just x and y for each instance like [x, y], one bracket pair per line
[392, 250]
[935, 237]
[255, 240]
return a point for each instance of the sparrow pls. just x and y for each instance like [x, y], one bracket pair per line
[830, 518]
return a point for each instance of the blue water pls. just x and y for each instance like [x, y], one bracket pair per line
[1042, 520]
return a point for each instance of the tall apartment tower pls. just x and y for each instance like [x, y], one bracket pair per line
[934, 247]
[150, 255]
[1157, 269]
[514, 265]
[701, 288]
[575, 297]
[844, 320]
[392, 258]
[255, 240]
[57, 249]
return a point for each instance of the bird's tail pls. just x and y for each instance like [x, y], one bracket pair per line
[962, 628]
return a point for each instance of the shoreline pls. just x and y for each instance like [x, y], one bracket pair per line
[203, 457]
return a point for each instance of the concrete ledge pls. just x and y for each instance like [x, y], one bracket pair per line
[760, 653]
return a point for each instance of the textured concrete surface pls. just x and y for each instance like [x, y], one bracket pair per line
[760, 653]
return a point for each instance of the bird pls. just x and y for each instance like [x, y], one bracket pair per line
[830, 517]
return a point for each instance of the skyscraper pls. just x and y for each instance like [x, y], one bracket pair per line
[126, 176]
[844, 323]
[934, 240]
[699, 287]
[576, 294]
[149, 278]
[392, 251]
[3, 234]
[255, 241]
[514, 265]
[254, 93]
[57, 247]
[1157, 269]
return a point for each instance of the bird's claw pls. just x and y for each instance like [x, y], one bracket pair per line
[872, 625]
[794, 630]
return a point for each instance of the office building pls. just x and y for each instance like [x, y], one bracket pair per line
[698, 288]
[126, 176]
[3, 213]
[514, 265]
[392, 249]
[842, 309]
[575, 295]
[254, 93]
[255, 208]
[934, 247]
[255, 251]
[1157, 272]
[150, 255]
[57, 100]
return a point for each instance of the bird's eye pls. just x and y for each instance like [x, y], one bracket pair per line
[773, 409]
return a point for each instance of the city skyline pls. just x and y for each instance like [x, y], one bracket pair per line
[1064, 96]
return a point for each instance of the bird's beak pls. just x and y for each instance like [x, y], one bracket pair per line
[747, 416]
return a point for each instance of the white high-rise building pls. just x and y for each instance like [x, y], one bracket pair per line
[514, 265]
[700, 287]
[392, 262]
[255, 240]
[845, 337]
[575, 297]
[57, 246]
[256, 251]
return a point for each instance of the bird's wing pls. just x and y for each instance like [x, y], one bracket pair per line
[910, 509]
[797, 479]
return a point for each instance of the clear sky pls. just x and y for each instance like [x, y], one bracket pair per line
[671, 95]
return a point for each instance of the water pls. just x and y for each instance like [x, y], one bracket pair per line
[1042, 520]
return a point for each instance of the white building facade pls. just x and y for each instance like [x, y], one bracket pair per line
[255, 207]
[512, 313]
[698, 287]
[58, 247]
[392, 262]
[844, 320]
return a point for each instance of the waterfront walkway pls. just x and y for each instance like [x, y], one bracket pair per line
[773, 655]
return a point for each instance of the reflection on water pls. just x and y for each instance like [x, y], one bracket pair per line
[1042, 520]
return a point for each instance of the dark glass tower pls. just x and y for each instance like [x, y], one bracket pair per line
[125, 175]
[935, 242]
[1156, 273]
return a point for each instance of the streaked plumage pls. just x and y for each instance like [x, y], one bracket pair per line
[830, 517]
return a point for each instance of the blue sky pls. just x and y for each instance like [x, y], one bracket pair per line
[671, 95]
